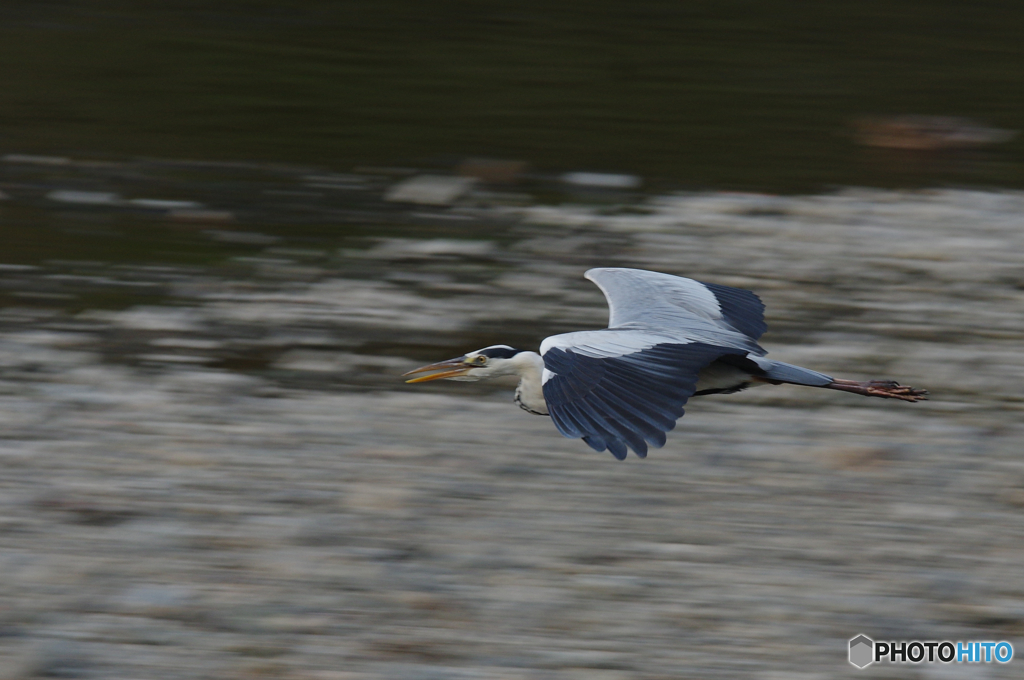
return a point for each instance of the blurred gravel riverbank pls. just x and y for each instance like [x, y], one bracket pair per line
[226, 478]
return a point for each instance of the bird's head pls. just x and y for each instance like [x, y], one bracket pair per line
[488, 362]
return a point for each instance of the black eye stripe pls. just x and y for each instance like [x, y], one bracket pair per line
[499, 352]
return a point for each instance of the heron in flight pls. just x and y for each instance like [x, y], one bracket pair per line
[668, 339]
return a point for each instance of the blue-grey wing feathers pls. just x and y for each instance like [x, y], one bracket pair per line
[741, 309]
[630, 400]
[673, 304]
[624, 387]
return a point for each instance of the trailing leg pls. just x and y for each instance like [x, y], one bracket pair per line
[886, 389]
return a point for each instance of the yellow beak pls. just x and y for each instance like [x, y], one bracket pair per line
[447, 369]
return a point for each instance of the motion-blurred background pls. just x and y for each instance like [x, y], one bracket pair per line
[701, 94]
[227, 227]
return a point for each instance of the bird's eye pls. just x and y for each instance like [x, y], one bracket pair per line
[480, 360]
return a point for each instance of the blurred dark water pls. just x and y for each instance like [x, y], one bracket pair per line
[756, 95]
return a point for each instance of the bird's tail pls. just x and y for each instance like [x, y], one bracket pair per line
[778, 372]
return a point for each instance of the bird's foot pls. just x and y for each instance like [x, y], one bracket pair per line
[886, 389]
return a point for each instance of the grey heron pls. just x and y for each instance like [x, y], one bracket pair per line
[669, 338]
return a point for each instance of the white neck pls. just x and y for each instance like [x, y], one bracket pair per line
[529, 366]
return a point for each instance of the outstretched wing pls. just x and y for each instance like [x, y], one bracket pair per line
[638, 298]
[622, 388]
